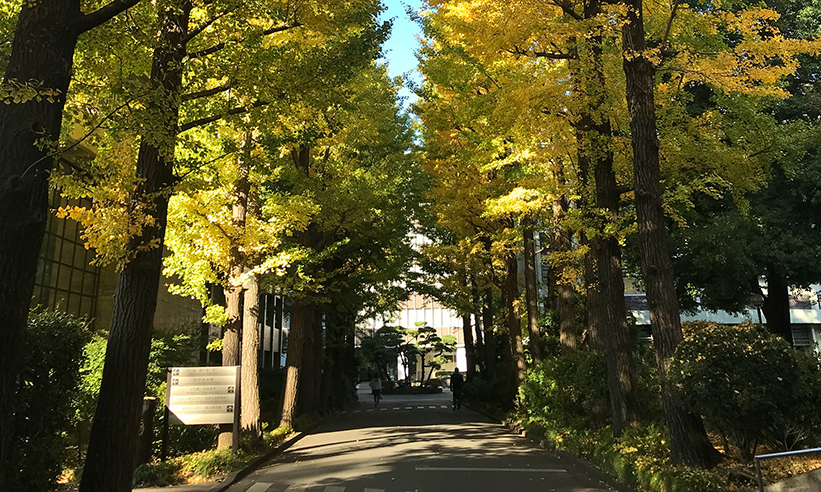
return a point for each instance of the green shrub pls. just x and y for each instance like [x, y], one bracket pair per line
[495, 395]
[747, 383]
[213, 463]
[433, 383]
[570, 390]
[42, 415]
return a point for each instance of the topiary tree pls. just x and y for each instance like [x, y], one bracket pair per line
[746, 382]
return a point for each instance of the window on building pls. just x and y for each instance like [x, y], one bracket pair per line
[66, 280]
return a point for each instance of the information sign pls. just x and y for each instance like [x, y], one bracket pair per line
[203, 395]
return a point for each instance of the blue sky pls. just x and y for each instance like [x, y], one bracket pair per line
[399, 49]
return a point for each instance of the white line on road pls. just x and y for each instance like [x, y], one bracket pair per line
[296, 488]
[259, 487]
[408, 408]
[331, 488]
[420, 407]
[396, 408]
[432, 406]
[369, 410]
[531, 470]
[383, 409]
[443, 406]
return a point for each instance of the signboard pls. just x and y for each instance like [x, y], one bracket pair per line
[203, 395]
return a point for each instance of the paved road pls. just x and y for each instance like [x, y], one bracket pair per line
[419, 444]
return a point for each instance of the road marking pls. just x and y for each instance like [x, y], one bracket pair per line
[383, 409]
[259, 487]
[420, 407]
[331, 488]
[396, 408]
[369, 410]
[443, 406]
[530, 470]
[296, 488]
[432, 406]
[408, 408]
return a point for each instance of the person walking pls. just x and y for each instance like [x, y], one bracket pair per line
[376, 389]
[456, 381]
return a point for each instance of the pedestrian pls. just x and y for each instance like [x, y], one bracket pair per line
[456, 381]
[376, 389]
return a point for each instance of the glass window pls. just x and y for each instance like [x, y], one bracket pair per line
[65, 279]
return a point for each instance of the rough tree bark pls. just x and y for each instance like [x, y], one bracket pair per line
[477, 316]
[249, 374]
[233, 289]
[470, 350]
[490, 337]
[531, 289]
[776, 305]
[301, 319]
[514, 319]
[566, 298]
[42, 53]
[688, 440]
[109, 464]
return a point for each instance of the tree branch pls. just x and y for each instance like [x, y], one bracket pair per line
[81, 140]
[103, 14]
[205, 93]
[197, 30]
[669, 24]
[219, 46]
[217, 117]
[541, 54]
[568, 9]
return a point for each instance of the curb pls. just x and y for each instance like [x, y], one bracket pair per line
[238, 475]
[574, 460]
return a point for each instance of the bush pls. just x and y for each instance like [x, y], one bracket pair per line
[41, 417]
[433, 383]
[747, 383]
[570, 390]
[496, 395]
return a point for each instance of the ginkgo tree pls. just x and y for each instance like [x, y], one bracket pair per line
[39, 39]
[352, 160]
[575, 49]
[194, 81]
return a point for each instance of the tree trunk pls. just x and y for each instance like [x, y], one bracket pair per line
[42, 52]
[564, 289]
[531, 292]
[470, 353]
[307, 386]
[490, 338]
[619, 350]
[777, 305]
[477, 316]
[688, 440]
[514, 319]
[109, 463]
[233, 290]
[301, 320]
[249, 393]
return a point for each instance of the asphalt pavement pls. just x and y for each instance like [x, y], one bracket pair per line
[415, 443]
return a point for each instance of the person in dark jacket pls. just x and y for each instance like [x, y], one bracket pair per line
[456, 381]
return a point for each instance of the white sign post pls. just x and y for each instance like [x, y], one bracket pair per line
[203, 395]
